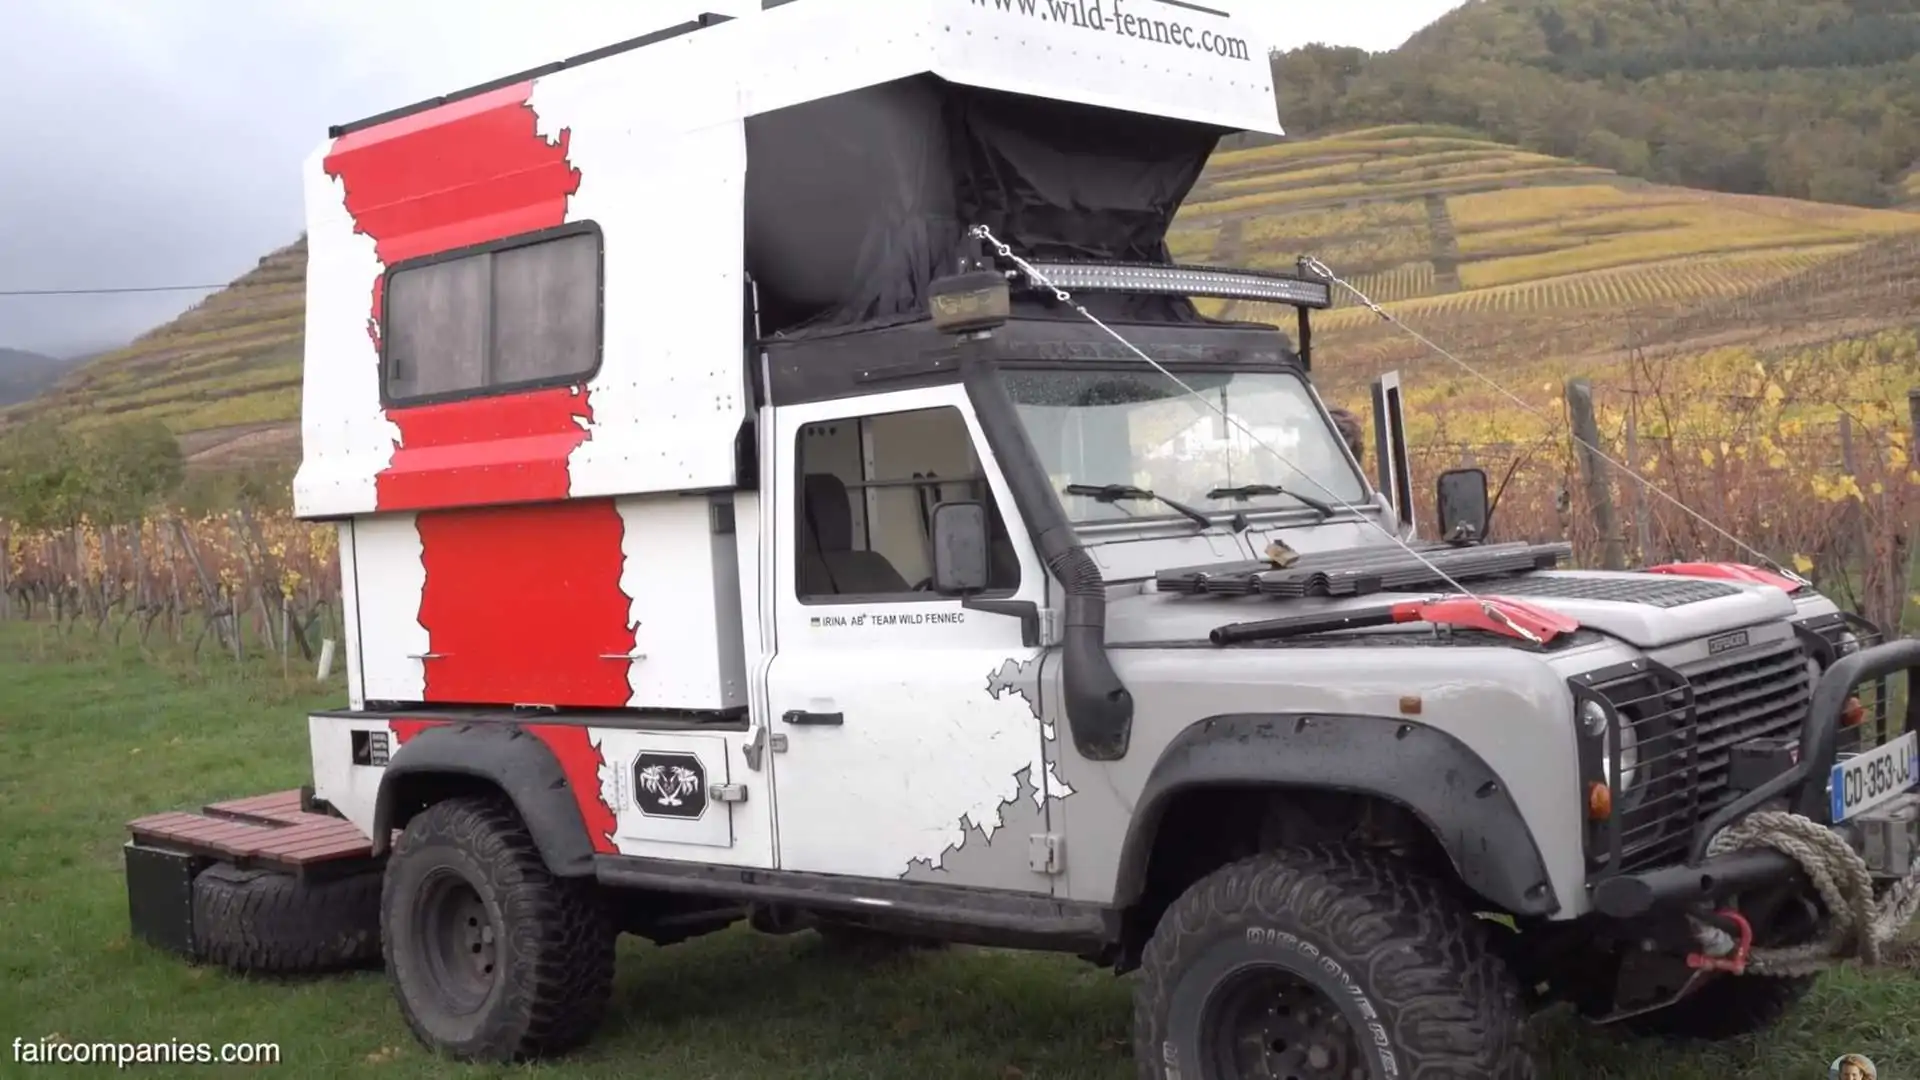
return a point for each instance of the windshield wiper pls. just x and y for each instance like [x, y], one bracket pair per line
[1116, 492]
[1248, 491]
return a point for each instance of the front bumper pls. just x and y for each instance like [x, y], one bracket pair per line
[1803, 787]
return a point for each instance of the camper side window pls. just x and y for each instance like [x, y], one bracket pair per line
[868, 486]
[511, 315]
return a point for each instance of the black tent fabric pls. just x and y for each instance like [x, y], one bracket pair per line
[855, 203]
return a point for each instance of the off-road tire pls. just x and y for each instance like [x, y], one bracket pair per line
[1726, 1008]
[1395, 951]
[552, 948]
[271, 923]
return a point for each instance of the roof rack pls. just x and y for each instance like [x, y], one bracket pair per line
[701, 22]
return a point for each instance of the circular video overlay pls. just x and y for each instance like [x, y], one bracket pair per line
[1853, 1067]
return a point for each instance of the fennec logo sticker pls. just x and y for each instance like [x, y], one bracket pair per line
[1727, 643]
[670, 786]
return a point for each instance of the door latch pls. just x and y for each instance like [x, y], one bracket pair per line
[1046, 853]
[755, 749]
[727, 792]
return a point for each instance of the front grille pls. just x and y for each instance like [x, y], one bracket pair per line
[1757, 696]
[1686, 723]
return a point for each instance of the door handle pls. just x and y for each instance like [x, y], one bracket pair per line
[821, 719]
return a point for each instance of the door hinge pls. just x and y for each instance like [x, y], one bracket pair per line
[1046, 853]
[755, 749]
[727, 792]
[1049, 628]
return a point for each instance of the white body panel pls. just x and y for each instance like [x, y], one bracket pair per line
[350, 618]
[730, 833]
[389, 579]
[346, 437]
[684, 647]
[683, 579]
[935, 734]
[349, 788]
[1095, 52]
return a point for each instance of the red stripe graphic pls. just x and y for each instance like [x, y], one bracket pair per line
[466, 173]
[581, 761]
[522, 603]
[406, 727]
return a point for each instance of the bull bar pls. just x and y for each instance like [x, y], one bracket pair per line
[1803, 784]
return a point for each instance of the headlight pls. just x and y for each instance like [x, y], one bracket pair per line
[1849, 643]
[1629, 757]
[1593, 718]
[1595, 722]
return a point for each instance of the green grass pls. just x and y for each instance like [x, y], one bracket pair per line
[90, 737]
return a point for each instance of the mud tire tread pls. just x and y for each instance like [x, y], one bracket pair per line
[272, 923]
[558, 960]
[1449, 1003]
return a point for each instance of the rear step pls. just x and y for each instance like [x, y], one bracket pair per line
[273, 831]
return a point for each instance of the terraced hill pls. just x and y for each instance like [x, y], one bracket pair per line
[1509, 255]
[1511, 258]
[225, 375]
[1435, 222]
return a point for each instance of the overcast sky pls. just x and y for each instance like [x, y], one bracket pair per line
[159, 142]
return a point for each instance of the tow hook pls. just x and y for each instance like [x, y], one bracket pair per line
[1716, 942]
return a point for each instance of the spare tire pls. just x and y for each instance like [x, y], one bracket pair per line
[269, 922]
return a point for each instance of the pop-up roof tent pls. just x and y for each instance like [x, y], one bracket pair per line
[856, 202]
[1072, 129]
[834, 150]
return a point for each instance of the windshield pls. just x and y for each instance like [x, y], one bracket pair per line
[1139, 427]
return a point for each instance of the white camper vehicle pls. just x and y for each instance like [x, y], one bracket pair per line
[781, 476]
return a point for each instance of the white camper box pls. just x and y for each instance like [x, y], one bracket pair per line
[770, 146]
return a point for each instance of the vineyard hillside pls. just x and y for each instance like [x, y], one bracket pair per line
[1437, 222]
[1516, 256]
[1475, 239]
[225, 375]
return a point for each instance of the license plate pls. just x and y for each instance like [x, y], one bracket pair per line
[1867, 780]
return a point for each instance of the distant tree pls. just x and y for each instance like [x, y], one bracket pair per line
[1312, 84]
[261, 486]
[49, 478]
[1814, 99]
[43, 477]
[133, 465]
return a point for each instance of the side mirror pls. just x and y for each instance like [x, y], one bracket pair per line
[959, 548]
[1462, 498]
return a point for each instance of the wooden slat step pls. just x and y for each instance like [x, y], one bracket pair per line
[263, 829]
[279, 808]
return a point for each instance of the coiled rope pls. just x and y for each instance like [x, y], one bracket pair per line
[1860, 928]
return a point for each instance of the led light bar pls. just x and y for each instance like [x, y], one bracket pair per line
[1185, 281]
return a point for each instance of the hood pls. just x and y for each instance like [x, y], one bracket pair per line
[1648, 611]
